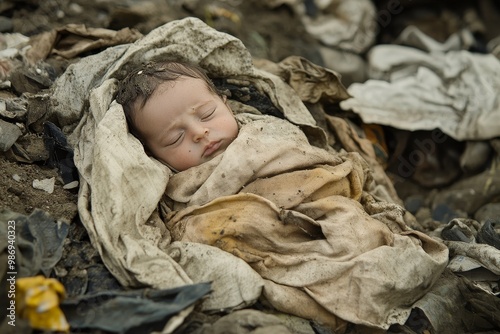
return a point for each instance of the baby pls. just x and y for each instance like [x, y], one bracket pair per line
[299, 215]
[175, 110]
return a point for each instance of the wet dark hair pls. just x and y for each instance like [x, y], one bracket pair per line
[139, 85]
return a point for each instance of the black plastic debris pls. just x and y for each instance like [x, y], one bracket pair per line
[488, 235]
[249, 95]
[39, 241]
[60, 155]
[136, 311]
[81, 269]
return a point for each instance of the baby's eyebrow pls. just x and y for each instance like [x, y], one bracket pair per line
[201, 105]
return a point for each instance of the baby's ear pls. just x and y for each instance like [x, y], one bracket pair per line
[224, 98]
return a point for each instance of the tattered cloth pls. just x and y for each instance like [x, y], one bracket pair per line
[300, 217]
[306, 232]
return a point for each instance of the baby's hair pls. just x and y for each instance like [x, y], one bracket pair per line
[139, 85]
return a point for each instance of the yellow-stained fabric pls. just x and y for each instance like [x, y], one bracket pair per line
[37, 300]
[121, 190]
[302, 218]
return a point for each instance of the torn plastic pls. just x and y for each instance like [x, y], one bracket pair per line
[38, 247]
[135, 311]
[473, 252]
[38, 299]
[39, 241]
[444, 304]
[60, 155]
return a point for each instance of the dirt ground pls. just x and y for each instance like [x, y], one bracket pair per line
[19, 195]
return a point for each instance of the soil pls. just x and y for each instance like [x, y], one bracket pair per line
[19, 195]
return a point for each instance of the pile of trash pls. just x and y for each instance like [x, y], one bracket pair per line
[421, 83]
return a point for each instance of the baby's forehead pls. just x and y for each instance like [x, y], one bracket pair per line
[166, 85]
[199, 86]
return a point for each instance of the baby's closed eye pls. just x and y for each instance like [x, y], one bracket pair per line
[206, 115]
[174, 139]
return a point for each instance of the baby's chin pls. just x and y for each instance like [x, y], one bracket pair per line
[201, 162]
[211, 157]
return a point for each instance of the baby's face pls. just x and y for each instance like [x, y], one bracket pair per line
[184, 124]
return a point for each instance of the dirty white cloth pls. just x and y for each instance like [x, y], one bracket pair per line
[300, 216]
[122, 190]
[410, 89]
[315, 85]
[120, 186]
[413, 36]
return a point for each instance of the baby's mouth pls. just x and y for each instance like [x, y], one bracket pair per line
[211, 148]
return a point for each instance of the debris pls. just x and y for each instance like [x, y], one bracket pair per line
[37, 299]
[470, 193]
[415, 90]
[246, 322]
[488, 211]
[74, 39]
[31, 79]
[9, 133]
[475, 156]
[488, 234]
[45, 184]
[41, 238]
[134, 311]
[71, 185]
[60, 155]
[14, 109]
[28, 149]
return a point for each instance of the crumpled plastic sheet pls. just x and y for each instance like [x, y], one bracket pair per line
[39, 241]
[38, 299]
[454, 305]
[135, 311]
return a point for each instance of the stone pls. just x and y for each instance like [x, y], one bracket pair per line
[45, 184]
[490, 211]
[9, 133]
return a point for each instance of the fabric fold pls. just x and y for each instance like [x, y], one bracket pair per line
[298, 219]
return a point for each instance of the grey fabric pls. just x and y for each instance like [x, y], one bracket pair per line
[410, 89]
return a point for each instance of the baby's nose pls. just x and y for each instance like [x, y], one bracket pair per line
[200, 133]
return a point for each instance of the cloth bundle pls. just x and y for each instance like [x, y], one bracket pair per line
[410, 89]
[300, 217]
[306, 232]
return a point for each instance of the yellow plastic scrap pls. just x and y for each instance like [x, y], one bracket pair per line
[37, 300]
